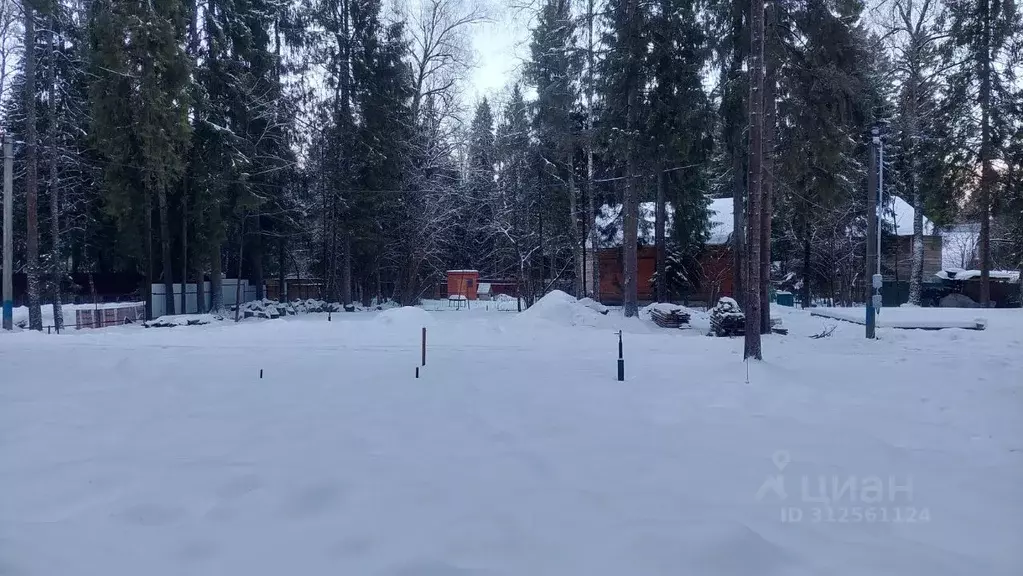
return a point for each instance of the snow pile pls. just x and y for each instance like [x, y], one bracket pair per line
[560, 308]
[183, 320]
[595, 306]
[405, 317]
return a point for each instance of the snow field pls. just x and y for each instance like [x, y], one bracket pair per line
[162, 452]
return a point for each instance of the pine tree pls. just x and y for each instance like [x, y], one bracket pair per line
[514, 207]
[480, 181]
[677, 135]
[623, 79]
[756, 174]
[56, 258]
[141, 84]
[982, 32]
[35, 317]
[553, 70]
[916, 34]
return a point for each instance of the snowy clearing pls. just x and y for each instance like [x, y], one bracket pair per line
[128, 451]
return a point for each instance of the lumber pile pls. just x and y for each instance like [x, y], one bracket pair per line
[669, 315]
[727, 319]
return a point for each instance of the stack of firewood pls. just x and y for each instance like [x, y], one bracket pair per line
[727, 319]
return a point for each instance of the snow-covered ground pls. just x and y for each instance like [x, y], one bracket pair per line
[128, 451]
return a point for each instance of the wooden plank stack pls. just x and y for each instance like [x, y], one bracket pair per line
[667, 316]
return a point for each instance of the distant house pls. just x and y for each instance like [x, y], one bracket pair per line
[716, 278]
[898, 256]
[717, 274]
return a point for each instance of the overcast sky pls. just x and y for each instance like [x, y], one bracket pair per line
[501, 45]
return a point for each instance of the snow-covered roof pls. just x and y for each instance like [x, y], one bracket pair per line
[899, 215]
[1011, 276]
[720, 213]
[722, 223]
[463, 271]
[609, 222]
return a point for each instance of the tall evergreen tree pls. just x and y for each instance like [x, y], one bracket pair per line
[916, 33]
[982, 86]
[481, 188]
[623, 77]
[553, 70]
[35, 317]
[139, 105]
[677, 134]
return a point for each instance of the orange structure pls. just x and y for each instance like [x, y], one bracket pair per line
[463, 283]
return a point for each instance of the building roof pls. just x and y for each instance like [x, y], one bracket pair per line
[899, 215]
[960, 274]
[609, 222]
[720, 216]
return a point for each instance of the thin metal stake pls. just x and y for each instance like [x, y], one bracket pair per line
[621, 359]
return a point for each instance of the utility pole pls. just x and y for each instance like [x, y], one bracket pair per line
[875, 192]
[872, 235]
[8, 304]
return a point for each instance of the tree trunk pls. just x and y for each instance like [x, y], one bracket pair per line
[57, 261]
[591, 196]
[282, 295]
[200, 290]
[257, 257]
[756, 155]
[770, 131]
[184, 246]
[165, 248]
[660, 221]
[630, 204]
[577, 241]
[35, 314]
[738, 227]
[346, 274]
[238, 278]
[147, 248]
[216, 278]
[806, 262]
[987, 175]
[916, 275]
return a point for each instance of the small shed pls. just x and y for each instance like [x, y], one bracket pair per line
[463, 283]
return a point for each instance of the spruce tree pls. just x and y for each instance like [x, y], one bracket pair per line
[982, 85]
[623, 78]
[553, 70]
[35, 317]
[677, 134]
[140, 84]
